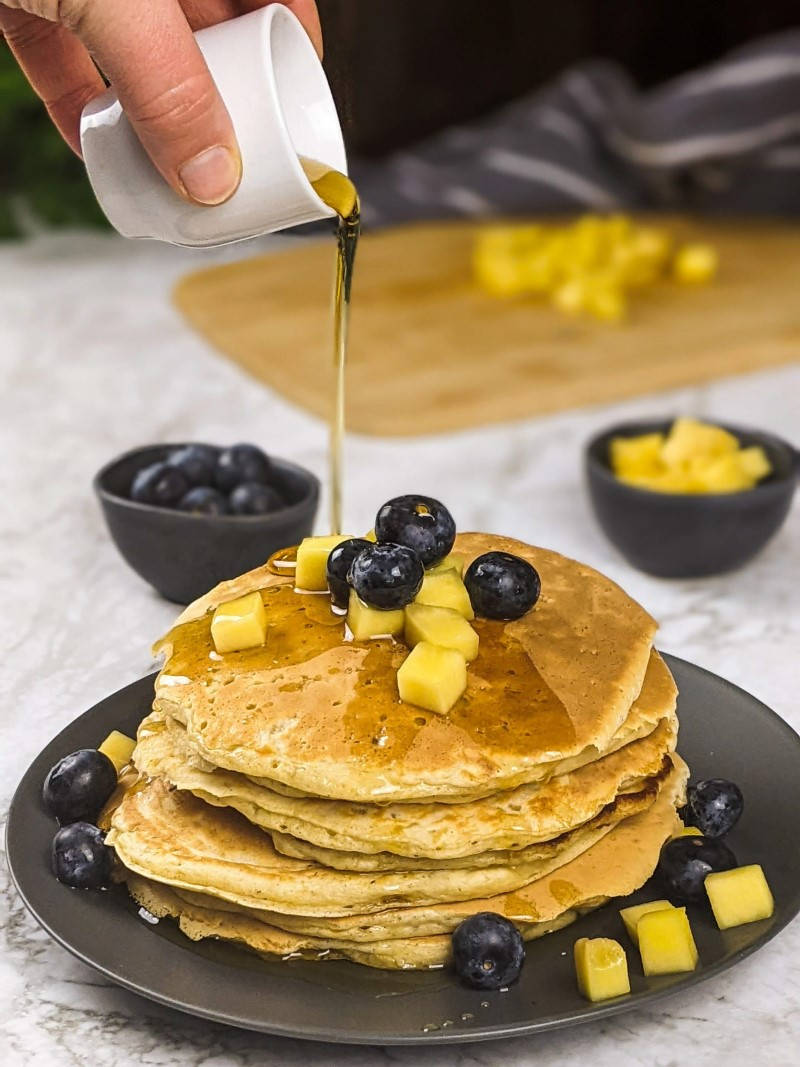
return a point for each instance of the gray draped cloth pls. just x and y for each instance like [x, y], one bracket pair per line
[723, 140]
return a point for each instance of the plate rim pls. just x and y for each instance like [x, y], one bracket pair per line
[488, 1032]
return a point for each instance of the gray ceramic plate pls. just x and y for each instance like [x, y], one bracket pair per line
[724, 732]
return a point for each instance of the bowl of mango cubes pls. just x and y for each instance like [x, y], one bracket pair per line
[681, 498]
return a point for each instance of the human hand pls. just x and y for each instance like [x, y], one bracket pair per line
[147, 51]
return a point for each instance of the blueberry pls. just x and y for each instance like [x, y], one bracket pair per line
[502, 586]
[715, 806]
[241, 463]
[386, 575]
[79, 785]
[197, 463]
[339, 563]
[253, 498]
[488, 951]
[685, 862]
[420, 523]
[158, 484]
[203, 500]
[80, 856]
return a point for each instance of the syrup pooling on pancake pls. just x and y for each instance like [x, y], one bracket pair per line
[302, 630]
[317, 713]
[506, 704]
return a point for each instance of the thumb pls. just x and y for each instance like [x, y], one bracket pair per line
[149, 54]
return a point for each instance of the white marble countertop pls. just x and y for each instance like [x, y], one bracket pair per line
[94, 361]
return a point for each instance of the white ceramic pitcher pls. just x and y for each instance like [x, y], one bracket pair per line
[279, 101]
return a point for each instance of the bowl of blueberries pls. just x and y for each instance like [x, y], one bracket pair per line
[187, 516]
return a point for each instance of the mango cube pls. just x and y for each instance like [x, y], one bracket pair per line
[571, 296]
[631, 916]
[601, 967]
[119, 748]
[367, 623]
[676, 480]
[445, 589]
[452, 562]
[440, 626]
[617, 227]
[432, 677]
[239, 624]
[630, 266]
[666, 944]
[695, 264]
[538, 271]
[722, 475]
[651, 244]
[739, 896]
[370, 536]
[498, 272]
[754, 462]
[312, 561]
[637, 455]
[689, 439]
[606, 300]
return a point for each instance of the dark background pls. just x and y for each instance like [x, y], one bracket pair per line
[402, 69]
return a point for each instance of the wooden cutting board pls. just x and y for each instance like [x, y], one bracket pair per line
[431, 352]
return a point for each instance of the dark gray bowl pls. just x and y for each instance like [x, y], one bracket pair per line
[183, 555]
[682, 535]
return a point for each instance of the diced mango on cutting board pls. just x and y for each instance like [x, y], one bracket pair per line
[695, 264]
[587, 267]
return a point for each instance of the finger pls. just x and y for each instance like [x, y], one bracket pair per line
[148, 52]
[202, 13]
[305, 10]
[57, 65]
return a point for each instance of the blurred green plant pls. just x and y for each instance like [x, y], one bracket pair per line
[41, 180]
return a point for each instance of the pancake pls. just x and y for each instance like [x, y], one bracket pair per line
[199, 923]
[170, 836]
[657, 699]
[347, 836]
[319, 714]
[618, 864]
[515, 853]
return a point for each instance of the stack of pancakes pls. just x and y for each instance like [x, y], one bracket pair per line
[286, 798]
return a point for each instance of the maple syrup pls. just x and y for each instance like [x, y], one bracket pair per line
[508, 707]
[338, 192]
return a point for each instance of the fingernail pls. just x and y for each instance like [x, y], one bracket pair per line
[213, 176]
